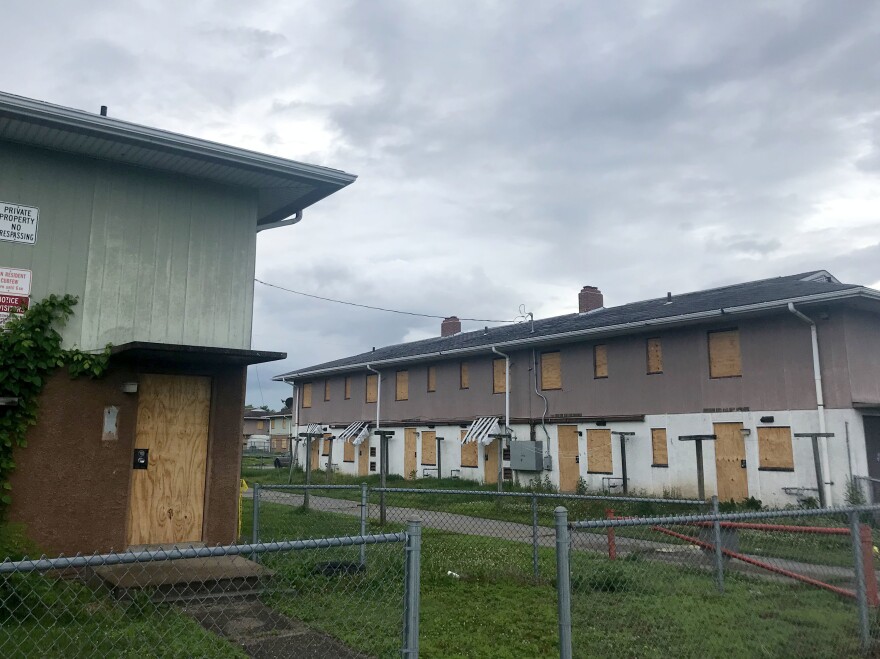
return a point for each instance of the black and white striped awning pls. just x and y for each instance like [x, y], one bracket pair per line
[355, 433]
[481, 430]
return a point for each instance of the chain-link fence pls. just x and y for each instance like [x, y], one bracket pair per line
[793, 583]
[303, 598]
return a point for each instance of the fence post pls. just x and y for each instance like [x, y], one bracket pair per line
[719, 556]
[363, 522]
[535, 568]
[255, 526]
[411, 599]
[861, 595]
[563, 582]
[867, 543]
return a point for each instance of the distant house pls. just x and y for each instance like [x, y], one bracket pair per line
[753, 364]
[255, 422]
[156, 234]
[280, 430]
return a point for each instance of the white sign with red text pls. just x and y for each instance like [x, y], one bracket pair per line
[15, 281]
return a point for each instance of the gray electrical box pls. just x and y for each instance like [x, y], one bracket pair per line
[527, 456]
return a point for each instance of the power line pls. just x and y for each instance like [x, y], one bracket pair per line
[367, 306]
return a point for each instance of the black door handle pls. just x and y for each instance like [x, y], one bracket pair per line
[742, 463]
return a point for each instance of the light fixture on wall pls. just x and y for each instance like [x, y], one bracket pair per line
[129, 387]
[745, 432]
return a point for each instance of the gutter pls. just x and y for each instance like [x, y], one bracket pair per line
[594, 332]
[378, 394]
[820, 401]
[294, 219]
[506, 387]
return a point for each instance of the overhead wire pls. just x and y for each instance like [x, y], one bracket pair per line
[368, 306]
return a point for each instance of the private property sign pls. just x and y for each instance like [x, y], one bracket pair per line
[18, 224]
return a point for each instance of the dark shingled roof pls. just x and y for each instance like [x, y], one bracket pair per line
[801, 285]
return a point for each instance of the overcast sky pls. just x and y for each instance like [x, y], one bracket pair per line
[507, 152]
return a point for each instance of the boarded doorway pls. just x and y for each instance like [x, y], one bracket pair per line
[364, 458]
[730, 462]
[569, 467]
[167, 499]
[872, 448]
[315, 453]
[490, 464]
[409, 453]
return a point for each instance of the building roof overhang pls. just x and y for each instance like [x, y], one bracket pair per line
[169, 355]
[284, 187]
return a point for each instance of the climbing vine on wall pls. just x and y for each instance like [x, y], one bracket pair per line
[30, 350]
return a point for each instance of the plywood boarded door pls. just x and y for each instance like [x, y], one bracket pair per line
[569, 467]
[490, 464]
[315, 452]
[167, 499]
[730, 462]
[409, 453]
[364, 458]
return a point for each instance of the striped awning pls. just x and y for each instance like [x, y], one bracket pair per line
[481, 429]
[353, 431]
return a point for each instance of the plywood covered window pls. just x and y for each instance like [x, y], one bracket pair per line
[464, 376]
[348, 452]
[600, 361]
[551, 370]
[499, 382]
[272, 424]
[307, 394]
[724, 354]
[599, 452]
[402, 388]
[372, 388]
[260, 425]
[655, 356]
[469, 453]
[429, 447]
[326, 448]
[347, 386]
[432, 378]
[326, 390]
[659, 448]
[774, 449]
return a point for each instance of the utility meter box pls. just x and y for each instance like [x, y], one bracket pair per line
[527, 456]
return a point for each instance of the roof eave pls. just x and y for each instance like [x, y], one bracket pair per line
[565, 337]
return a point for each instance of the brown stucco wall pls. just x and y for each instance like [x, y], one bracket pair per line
[71, 488]
[776, 364]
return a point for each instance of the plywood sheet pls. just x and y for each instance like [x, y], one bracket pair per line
[551, 370]
[730, 455]
[372, 388]
[327, 389]
[402, 385]
[499, 382]
[364, 458]
[599, 452]
[315, 453]
[307, 394]
[569, 467]
[469, 453]
[724, 354]
[348, 450]
[659, 448]
[325, 450]
[600, 361]
[410, 457]
[655, 356]
[167, 499]
[432, 378]
[464, 376]
[347, 392]
[774, 448]
[429, 447]
[490, 463]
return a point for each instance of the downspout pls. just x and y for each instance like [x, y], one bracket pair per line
[820, 400]
[378, 394]
[294, 455]
[506, 387]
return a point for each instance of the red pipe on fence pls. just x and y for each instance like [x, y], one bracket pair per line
[788, 528]
[867, 542]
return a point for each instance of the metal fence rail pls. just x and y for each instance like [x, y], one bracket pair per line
[771, 583]
[304, 597]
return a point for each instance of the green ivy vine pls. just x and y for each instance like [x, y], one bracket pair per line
[30, 351]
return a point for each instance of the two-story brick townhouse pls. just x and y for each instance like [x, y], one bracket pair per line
[155, 232]
[752, 364]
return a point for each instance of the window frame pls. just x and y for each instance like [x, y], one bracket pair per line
[464, 375]
[596, 347]
[307, 389]
[726, 330]
[397, 383]
[432, 379]
[648, 341]
[544, 387]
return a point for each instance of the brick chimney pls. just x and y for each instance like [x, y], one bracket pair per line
[450, 326]
[589, 298]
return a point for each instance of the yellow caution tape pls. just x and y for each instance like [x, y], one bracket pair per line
[242, 488]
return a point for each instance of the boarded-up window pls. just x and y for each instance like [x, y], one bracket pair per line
[326, 389]
[348, 452]
[273, 424]
[600, 361]
[429, 447]
[372, 388]
[724, 354]
[402, 385]
[464, 377]
[551, 370]
[499, 382]
[599, 452]
[655, 356]
[432, 378]
[469, 453]
[774, 449]
[260, 425]
[347, 387]
[326, 448]
[307, 395]
[659, 450]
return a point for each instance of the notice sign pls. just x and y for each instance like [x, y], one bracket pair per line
[15, 281]
[18, 224]
[13, 303]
